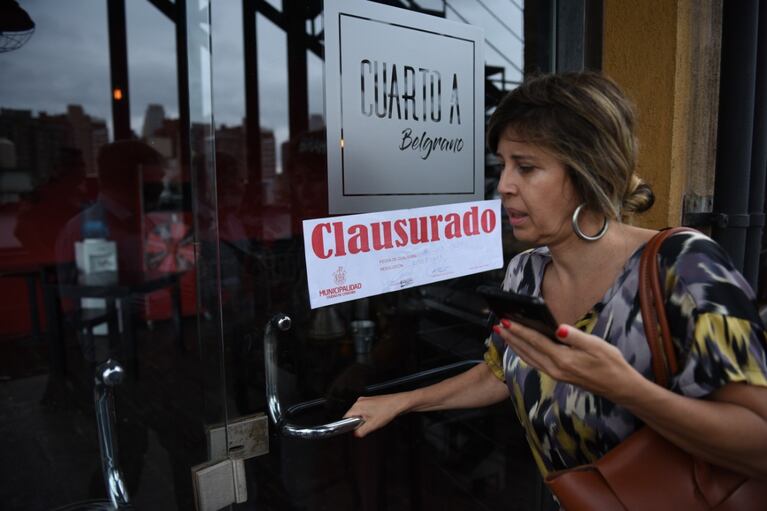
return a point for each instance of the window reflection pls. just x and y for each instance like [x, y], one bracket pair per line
[97, 257]
[152, 67]
[118, 212]
[126, 205]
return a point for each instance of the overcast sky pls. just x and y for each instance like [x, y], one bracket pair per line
[67, 61]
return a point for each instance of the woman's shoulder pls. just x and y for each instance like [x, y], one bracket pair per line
[700, 266]
[691, 243]
[712, 315]
[693, 255]
[524, 270]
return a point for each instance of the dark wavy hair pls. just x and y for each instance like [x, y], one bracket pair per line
[587, 122]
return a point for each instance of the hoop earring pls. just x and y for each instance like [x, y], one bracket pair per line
[580, 233]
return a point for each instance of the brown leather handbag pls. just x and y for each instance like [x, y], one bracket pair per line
[646, 472]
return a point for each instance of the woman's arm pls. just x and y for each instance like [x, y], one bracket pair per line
[729, 428]
[474, 388]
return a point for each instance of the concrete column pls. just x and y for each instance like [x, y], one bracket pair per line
[665, 54]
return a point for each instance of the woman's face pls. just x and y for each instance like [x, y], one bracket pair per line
[536, 191]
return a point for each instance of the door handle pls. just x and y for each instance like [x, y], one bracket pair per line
[420, 376]
[108, 375]
[282, 322]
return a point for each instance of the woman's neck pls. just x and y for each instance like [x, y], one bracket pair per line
[576, 262]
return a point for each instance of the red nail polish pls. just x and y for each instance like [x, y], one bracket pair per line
[506, 323]
[562, 332]
[496, 329]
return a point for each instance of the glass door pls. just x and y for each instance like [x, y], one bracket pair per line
[310, 365]
[111, 353]
[157, 159]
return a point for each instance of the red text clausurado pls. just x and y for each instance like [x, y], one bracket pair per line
[387, 234]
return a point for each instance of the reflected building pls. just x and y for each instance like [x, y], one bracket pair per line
[165, 140]
[316, 122]
[268, 154]
[38, 140]
[160, 133]
[269, 174]
[89, 135]
[153, 120]
[230, 140]
[12, 182]
[7, 154]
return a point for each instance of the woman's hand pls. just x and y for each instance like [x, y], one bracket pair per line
[582, 359]
[377, 411]
[474, 388]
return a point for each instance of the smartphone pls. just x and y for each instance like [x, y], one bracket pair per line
[530, 311]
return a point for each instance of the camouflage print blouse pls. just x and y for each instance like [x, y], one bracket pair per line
[714, 323]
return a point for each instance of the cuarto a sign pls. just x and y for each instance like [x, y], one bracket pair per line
[404, 105]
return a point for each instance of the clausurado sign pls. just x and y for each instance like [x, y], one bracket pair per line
[355, 256]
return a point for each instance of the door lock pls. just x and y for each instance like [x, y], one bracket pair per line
[250, 433]
[221, 481]
[219, 484]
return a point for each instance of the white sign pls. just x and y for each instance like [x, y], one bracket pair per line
[355, 256]
[404, 100]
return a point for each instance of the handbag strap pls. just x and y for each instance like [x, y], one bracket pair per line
[652, 306]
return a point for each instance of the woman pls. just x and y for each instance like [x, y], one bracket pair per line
[568, 149]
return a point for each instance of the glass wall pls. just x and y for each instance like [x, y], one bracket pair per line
[110, 331]
[278, 163]
[157, 159]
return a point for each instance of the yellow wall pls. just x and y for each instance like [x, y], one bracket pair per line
[661, 52]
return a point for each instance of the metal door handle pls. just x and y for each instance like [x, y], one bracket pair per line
[282, 322]
[420, 376]
[109, 374]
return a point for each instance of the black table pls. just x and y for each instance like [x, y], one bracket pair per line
[118, 291]
[30, 274]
